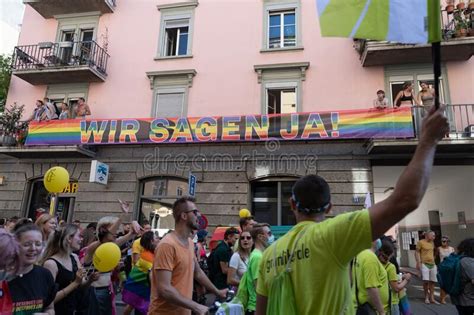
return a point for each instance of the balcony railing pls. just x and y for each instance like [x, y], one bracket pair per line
[457, 45]
[460, 116]
[51, 58]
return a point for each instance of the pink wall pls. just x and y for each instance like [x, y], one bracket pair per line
[461, 81]
[226, 45]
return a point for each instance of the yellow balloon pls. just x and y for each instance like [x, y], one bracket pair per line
[56, 179]
[244, 213]
[106, 257]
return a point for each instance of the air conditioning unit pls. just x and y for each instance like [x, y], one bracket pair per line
[469, 131]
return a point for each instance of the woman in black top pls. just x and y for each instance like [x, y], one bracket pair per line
[406, 96]
[66, 269]
[33, 290]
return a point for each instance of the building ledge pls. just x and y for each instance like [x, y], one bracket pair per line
[48, 152]
[456, 147]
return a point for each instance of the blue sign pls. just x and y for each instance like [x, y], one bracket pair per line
[192, 185]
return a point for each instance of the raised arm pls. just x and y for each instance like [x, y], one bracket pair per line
[413, 182]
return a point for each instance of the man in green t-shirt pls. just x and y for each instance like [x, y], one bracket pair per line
[319, 267]
[262, 237]
[371, 278]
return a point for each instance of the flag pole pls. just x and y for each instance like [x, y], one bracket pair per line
[436, 54]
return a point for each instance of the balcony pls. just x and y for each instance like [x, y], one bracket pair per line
[456, 44]
[458, 144]
[50, 8]
[63, 62]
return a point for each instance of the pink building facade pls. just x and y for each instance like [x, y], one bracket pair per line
[217, 58]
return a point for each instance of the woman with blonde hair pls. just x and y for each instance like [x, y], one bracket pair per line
[239, 260]
[65, 268]
[47, 225]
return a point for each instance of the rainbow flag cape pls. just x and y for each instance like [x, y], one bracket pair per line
[136, 291]
[403, 21]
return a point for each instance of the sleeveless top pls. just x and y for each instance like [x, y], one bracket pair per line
[427, 100]
[64, 277]
[405, 98]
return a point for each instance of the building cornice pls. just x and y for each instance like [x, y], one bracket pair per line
[177, 5]
[302, 66]
[189, 73]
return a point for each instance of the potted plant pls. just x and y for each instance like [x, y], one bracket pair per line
[461, 5]
[449, 6]
[11, 124]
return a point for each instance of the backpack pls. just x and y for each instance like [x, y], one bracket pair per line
[281, 296]
[449, 274]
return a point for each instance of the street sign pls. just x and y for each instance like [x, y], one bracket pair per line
[99, 173]
[192, 185]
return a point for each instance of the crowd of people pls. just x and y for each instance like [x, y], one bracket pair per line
[406, 97]
[47, 110]
[341, 265]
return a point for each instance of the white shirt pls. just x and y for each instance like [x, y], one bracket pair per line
[445, 252]
[238, 264]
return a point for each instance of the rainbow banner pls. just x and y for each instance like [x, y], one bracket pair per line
[349, 124]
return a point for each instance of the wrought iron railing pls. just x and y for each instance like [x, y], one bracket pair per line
[460, 116]
[60, 55]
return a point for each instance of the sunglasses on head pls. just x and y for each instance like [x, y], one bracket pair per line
[248, 238]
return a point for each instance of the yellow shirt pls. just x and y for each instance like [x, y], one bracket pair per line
[319, 269]
[136, 247]
[370, 273]
[426, 250]
[392, 276]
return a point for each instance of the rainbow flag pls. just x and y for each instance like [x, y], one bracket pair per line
[328, 125]
[136, 291]
[403, 21]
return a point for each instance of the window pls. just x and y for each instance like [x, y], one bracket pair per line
[176, 40]
[281, 101]
[282, 29]
[281, 25]
[67, 93]
[171, 90]
[281, 87]
[176, 30]
[157, 196]
[169, 103]
[270, 201]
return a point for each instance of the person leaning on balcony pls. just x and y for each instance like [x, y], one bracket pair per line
[51, 107]
[426, 96]
[381, 102]
[40, 113]
[64, 111]
[406, 96]
[82, 109]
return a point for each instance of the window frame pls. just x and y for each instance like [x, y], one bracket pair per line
[177, 81]
[281, 85]
[280, 7]
[279, 198]
[282, 27]
[171, 13]
[170, 90]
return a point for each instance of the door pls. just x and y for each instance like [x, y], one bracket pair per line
[66, 46]
[85, 47]
[65, 209]
[435, 225]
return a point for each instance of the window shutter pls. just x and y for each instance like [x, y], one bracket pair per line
[169, 105]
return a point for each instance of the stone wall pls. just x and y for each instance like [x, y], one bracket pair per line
[224, 173]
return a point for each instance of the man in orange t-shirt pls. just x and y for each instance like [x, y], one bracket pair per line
[175, 266]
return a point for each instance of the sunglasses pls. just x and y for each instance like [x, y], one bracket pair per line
[194, 211]
[445, 241]
[248, 238]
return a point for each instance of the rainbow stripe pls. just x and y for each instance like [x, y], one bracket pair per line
[136, 291]
[348, 124]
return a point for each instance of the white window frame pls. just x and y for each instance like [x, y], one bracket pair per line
[281, 86]
[282, 27]
[170, 90]
[280, 6]
[173, 13]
